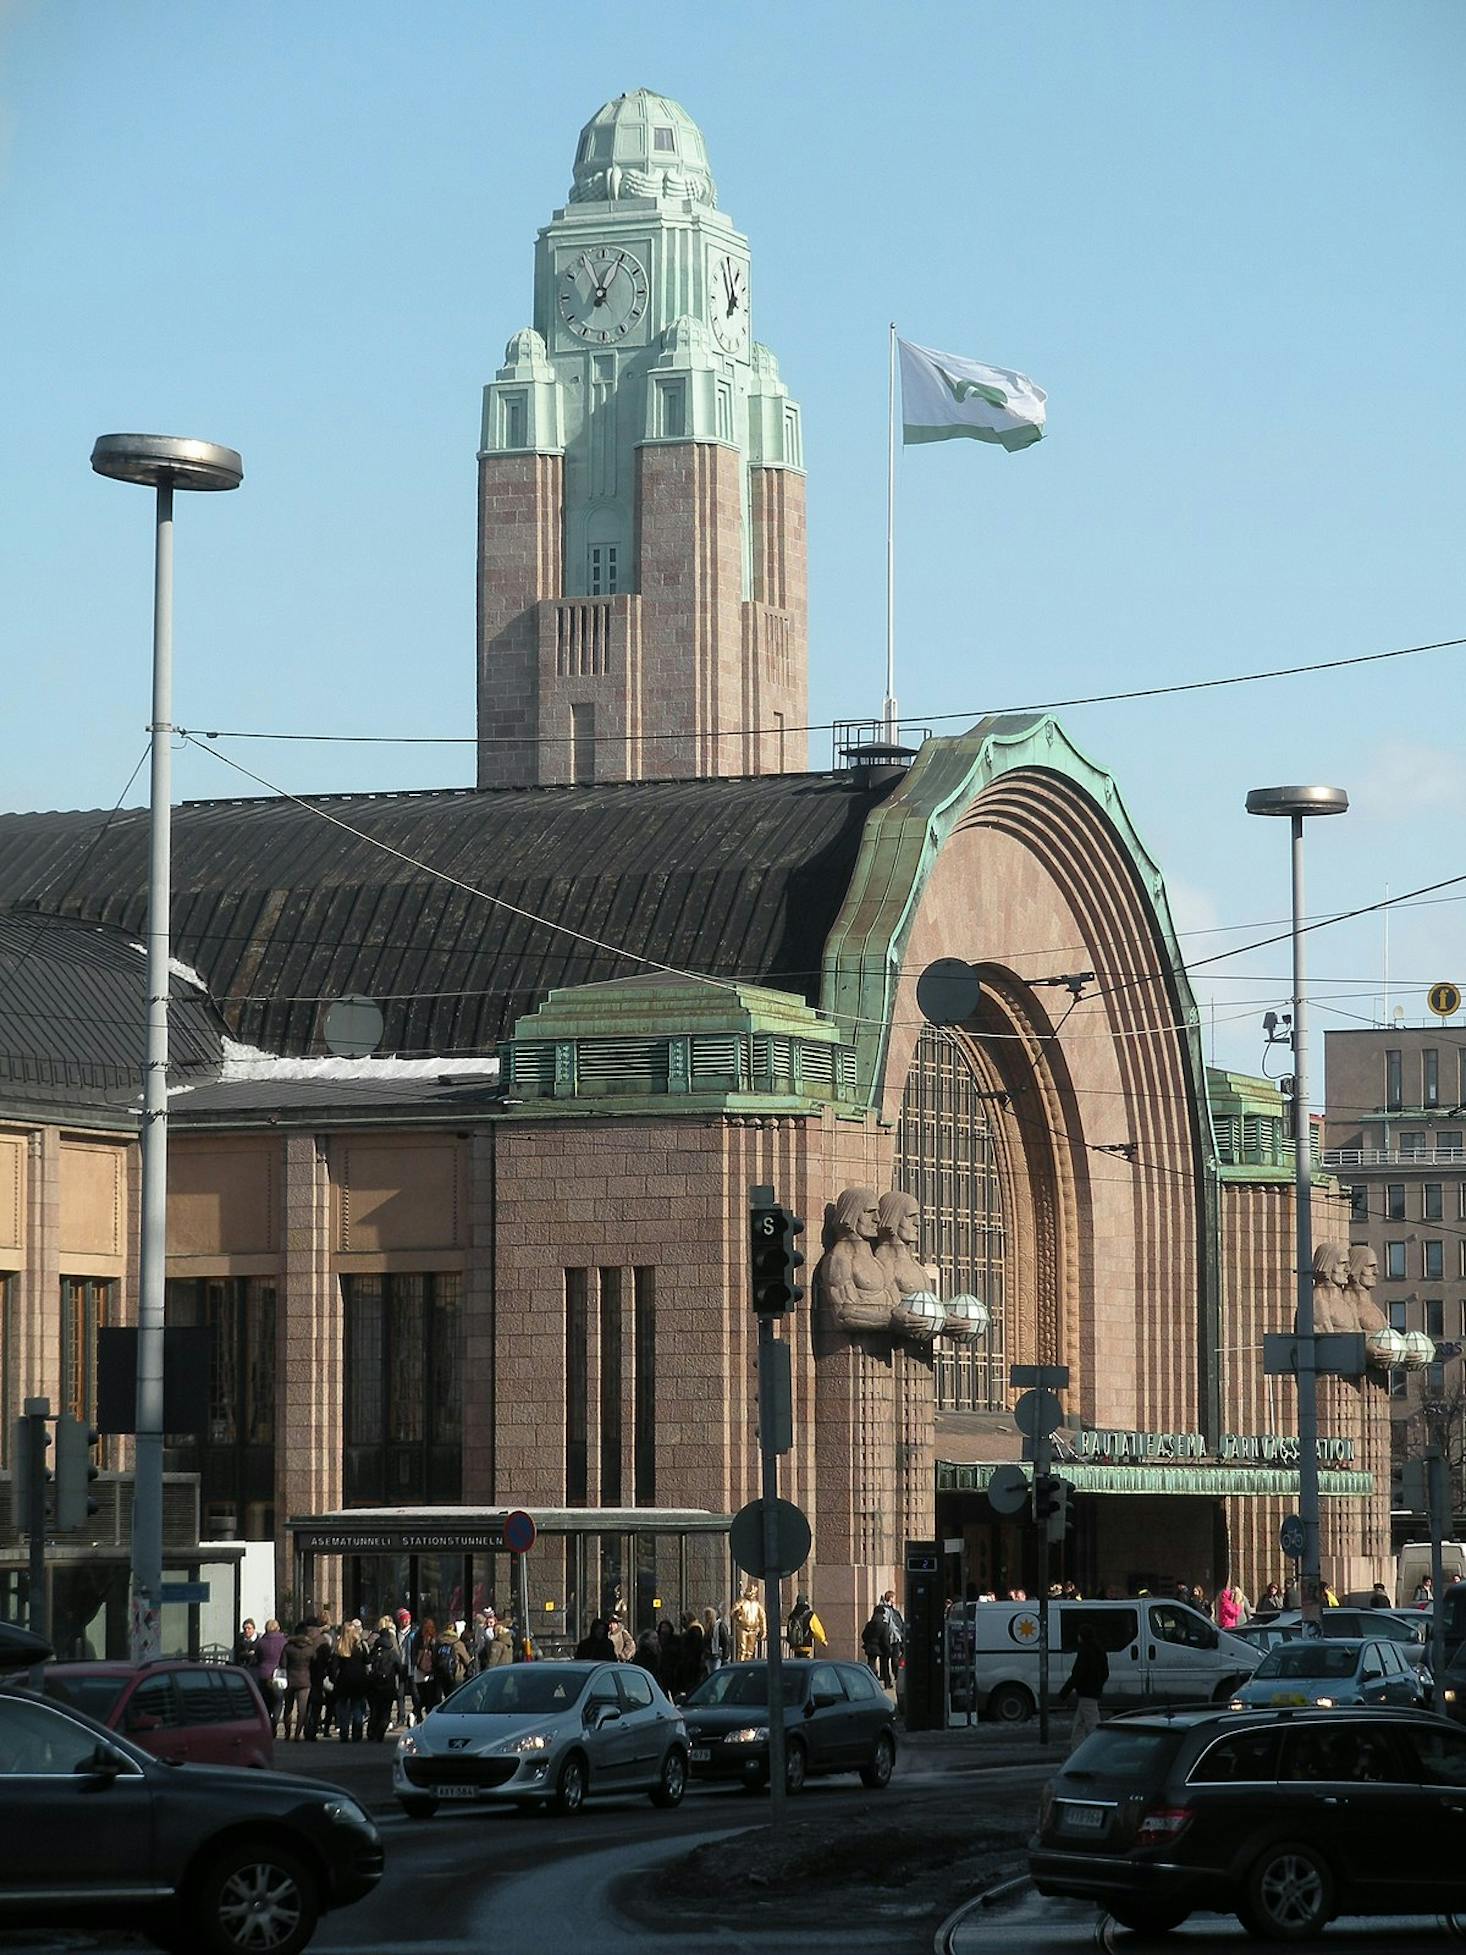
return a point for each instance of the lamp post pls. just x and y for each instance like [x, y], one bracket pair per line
[164, 463]
[1297, 804]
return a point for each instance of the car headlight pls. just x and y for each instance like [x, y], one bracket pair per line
[406, 1745]
[528, 1741]
[751, 1734]
[1324, 1703]
[1450, 1696]
[345, 1812]
[1236, 1705]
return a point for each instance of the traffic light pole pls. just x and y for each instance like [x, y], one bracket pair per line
[1042, 1460]
[37, 1413]
[772, 1591]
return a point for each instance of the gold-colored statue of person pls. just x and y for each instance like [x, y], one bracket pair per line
[856, 1288]
[749, 1623]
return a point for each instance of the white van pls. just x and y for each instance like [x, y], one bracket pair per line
[1158, 1652]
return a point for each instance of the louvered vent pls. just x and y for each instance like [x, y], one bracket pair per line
[622, 1065]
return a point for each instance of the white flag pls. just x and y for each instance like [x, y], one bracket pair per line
[944, 395]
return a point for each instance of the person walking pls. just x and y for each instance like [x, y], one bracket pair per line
[1231, 1605]
[595, 1646]
[384, 1671]
[407, 1696]
[246, 1646]
[1086, 1682]
[622, 1640]
[501, 1644]
[804, 1629]
[322, 1681]
[352, 1676]
[298, 1647]
[1269, 1603]
[717, 1640]
[269, 1657]
[1380, 1597]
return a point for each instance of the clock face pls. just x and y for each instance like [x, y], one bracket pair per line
[603, 294]
[728, 302]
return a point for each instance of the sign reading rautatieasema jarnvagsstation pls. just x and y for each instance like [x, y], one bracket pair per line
[1120, 1447]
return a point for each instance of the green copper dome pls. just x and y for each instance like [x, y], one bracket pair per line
[642, 145]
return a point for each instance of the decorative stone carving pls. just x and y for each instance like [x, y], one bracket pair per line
[749, 1623]
[1363, 1275]
[915, 1310]
[853, 1285]
[1331, 1308]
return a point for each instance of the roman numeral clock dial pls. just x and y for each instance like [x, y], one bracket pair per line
[603, 294]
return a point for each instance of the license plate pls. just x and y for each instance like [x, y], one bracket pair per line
[1083, 1819]
[455, 1792]
[1288, 1697]
[700, 1754]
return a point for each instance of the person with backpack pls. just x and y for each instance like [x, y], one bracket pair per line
[384, 1667]
[322, 1668]
[804, 1628]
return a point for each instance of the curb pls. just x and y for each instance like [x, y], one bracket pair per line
[944, 1942]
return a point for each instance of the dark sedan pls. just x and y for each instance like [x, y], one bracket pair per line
[1285, 1818]
[203, 1858]
[836, 1719]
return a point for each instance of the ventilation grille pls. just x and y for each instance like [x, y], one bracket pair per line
[582, 639]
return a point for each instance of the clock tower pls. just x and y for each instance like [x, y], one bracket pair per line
[641, 544]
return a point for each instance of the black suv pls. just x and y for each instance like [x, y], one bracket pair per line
[1285, 1818]
[202, 1858]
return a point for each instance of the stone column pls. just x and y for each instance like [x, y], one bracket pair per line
[479, 1370]
[855, 1465]
[309, 1441]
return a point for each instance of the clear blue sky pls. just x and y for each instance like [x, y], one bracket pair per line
[1225, 238]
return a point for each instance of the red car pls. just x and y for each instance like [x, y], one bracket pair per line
[191, 1713]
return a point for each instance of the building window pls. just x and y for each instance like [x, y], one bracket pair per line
[1394, 1082]
[945, 1158]
[87, 1306]
[1395, 1261]
[1461, 1258]
[725, 412]
[1433, 1266]
[1430, 1201]
[781, 750]
[1395, 1201]
[583, 741]
[1448, 1141]
[672, 403]
[577, 1409]
[1461, 1076]
[610, 1494]
[1412, 1145]
[1398, 1315]
[603, 570]
[644, 1407]
[1435, 1317]
[1397, 1382]
[404, 1389]
[1430, 1077]
[235, 1456]
[663, 139]
[515, 417]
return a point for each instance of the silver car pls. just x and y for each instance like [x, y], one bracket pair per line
[550, 1734]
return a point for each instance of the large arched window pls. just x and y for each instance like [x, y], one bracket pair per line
[944, 1157]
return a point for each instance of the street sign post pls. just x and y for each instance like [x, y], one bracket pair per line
[948, 991]
[792, 1540]
[1038, 1415]
[1291, 1536]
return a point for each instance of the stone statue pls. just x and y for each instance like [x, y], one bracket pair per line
[1365, 1313]
[856, 1288]
[897, 1244]
[749, 1623]
[1331, 1308]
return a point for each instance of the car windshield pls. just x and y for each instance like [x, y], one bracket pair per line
[516, 1689]
[1310, 1659]
[95, 1695]
[733, 1685]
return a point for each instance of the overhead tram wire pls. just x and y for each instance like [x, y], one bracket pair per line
[518, 743]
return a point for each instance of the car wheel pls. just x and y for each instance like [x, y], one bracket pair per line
[1289, 1893]
[1143, 1920]
[796, 1767]
[418, 1808]
[877, 1773]
[1010, 1704]
[672, 1782]
[570, 1787]
[255, 1899]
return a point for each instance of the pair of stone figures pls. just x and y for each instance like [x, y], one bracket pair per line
[1343, 1279]
[870, 1262]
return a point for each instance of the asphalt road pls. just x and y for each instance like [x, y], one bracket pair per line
[466, 1881]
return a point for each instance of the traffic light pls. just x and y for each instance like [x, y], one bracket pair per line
[74, 1471]
[29, 1441]
[1058, 1523]
[1045, 1498]
[775, 1262]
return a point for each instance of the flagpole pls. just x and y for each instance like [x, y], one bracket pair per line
[888, 712]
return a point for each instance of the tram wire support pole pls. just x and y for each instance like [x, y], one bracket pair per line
[773, 1590]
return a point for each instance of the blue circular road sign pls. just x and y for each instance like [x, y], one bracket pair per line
[1291, 1536]
[519, 1532]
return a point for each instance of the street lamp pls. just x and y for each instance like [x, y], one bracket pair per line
[165, 463]
[1297, 804]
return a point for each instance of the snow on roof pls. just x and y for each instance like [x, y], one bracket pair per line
[247, 1062]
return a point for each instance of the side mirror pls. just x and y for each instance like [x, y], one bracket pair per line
[821, 1701]
[600, 1714]
[102, 1769]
